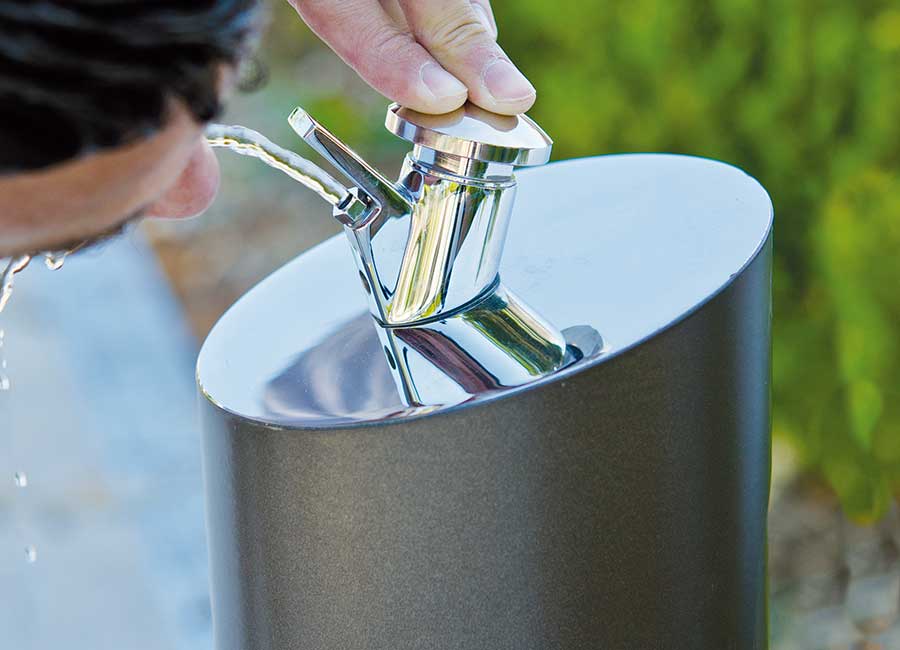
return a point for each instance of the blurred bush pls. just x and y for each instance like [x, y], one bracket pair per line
[803, 95]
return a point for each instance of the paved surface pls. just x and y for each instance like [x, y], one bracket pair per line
[834, 585]
[100, 416]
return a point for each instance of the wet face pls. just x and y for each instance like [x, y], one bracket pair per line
[170, 174]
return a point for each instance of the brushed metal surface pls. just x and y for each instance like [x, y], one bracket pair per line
[618, 504]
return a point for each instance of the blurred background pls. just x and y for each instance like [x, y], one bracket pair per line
[803, 95]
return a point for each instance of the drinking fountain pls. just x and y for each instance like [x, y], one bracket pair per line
[526, 407]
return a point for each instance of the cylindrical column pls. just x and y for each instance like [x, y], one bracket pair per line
[619, 504]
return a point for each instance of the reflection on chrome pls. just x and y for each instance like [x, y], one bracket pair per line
[430, 244]
[498, 343]
[343, 378]
[364, 370]
[428, 250]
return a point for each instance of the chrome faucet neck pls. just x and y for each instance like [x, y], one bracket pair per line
[428, 250]
[432, 242]
[461, 168]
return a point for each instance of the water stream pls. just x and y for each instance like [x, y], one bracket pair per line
[7, 279]
[248, 142]
[53, 260]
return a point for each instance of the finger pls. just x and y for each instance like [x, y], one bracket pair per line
[392, 9]
[455, 35]
[486, 15]
[482, 8]
[384, 54]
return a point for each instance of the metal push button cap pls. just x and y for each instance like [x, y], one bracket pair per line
[474, 133]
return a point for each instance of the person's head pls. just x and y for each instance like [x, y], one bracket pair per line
[102, 107]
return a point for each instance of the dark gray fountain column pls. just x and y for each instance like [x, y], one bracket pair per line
[620, 503]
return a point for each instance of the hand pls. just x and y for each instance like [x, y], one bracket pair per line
[428, 55]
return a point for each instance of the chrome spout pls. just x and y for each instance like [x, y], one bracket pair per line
[376, 194]
[431, 244]
[428, 250]
[428, 247]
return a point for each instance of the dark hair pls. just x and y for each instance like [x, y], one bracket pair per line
[77, 76]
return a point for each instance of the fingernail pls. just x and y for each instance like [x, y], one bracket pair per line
[485, 19]
[441, 83]
[505, 83]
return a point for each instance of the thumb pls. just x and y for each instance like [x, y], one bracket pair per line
[385, 55]
[460, 36]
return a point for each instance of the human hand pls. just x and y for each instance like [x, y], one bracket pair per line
[428, 55]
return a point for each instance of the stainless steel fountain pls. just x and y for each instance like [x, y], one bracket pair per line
[438, 438]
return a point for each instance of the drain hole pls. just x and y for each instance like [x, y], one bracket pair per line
[583, 342]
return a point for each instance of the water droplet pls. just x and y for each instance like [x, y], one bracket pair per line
[3, 363]
[21, 479]
[30, 554]
[54, 260]
[4, 383]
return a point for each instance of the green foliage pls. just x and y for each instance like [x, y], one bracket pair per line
[805, 96]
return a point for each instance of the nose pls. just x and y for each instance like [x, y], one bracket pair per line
[193, 190]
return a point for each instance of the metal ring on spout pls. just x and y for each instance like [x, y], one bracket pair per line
[463, 170]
